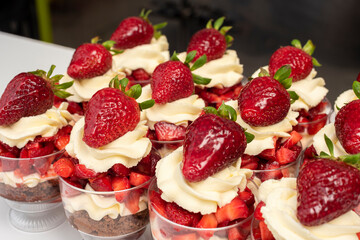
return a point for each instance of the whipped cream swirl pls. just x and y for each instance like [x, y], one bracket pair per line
[320, 144]
[343, 99]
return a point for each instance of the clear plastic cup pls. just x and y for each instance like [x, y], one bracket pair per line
[99, 215]
[164, 229]
[33, 198]
[166, 147]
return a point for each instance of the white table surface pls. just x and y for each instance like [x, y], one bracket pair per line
[19, 54]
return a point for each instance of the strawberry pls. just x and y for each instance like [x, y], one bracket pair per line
[324, 186]
[62, 141]
[236, 209]
[64, 167]
[39, 149]
[90, 60]
[120, 170]
[181, 216]
[317, 123]
[347, 126]
[132, 201]
[270, 170]
[188, 236]
[147, 165]
[211, 41]
[118, 184]
[249, 162]
[75, 108]
[140, 74]
[168, 131]
[264, 100]
[7, 164]
[137, 179]
[298, 58]
[110, 115]
[211, 144]
[247, 197]
[83, 172]
[257, 213]
[135, 31]
[294, 138]
[235, 234]
[158, 203]
[265, 232]
[207, 221]
[173, 80]
[6, 148]
[287, 155]
[26, 166]
[29, 94]
[102, 183]
[302, 124]
[42, 165]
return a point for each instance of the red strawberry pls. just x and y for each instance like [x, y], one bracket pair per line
[207, 221]
[101, 183]
[236, 209]
[257, 213]
[211, 144]
[158, 203]
[118, 184]
[324, 186]
[287, 155]
[247, 197]
[83, 172]
[6, 148]
[181, 216]
[168, 131]
[317, 123]
[110, 115]
[26, 166]
[132, 201]
[147, 165]
[347, 126]
[39, 149]
[249, 162]
[140, 74]
[265, 232]
[42, 165]
[120, 170]
[298, 58]
[64, 167]
[90, 60]
[271, 170]
[8, 165]
[62, 141]
[263, 102]
[210, 41]
[187, 236]
[137, 179]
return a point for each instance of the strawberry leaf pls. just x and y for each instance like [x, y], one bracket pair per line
[210, 110]
[337, 107]
[50, 72]
[62, 94]
[116, 52]
[174, 57]
[229, 40]
[353, 160]
[315, 62]
[286, 83]
[209, 24]
[159, 25]
[134, 91]
[145, 14]
[283, 73]
[324, 155]
[225, 29]
[64, 85]
[146, 104]
[226, 111]
[263, 73]
[200, 80]
[218, 23]
[309, 47]
[199, 62]
[296, 43]
[249, 137]
[231, 110]
[108, 44]
[293, 96]
[95, 39]
[56, 78]
[329, 145]
[123, 82]
[189, 57]
[356, 88]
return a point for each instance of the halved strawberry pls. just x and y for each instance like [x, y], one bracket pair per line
[234, 210]
[101, 183]
[181, 216]
[83, 172]
[75, 108]
[137, 179]
[317, 123]
[69, 191]
[302, 124]
[317, 109]
[285, 155]
[147, 165]
[13, 150]
[132, 201]
[158, 203]
[64, 167]
[118, 184]
[168, 131]
[265, 232]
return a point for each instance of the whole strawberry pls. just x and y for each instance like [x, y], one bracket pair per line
[111, 113]
[264, 100]
[297, 57]
[211, 144]
[30, 94]
[173, 80]
[211, 41]
[135, 31]
[326, 190]
[90, 60]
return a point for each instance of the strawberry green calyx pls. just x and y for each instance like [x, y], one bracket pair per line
[108, 45]
[223, 30]
[197, 64]
[356, 88]
[134, 91]
[309, 48]
[57, 88]
[144, 14]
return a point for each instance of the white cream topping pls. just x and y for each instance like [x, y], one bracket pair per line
[311, 90]
[320, 144]
[223, 72]
[31, 180]
[344, 98]
[27, 128]
[99, 206]
[84, 89]
[128, 149]
[178, 112]
[280, 197]
[204, 196]
[146, 56]
[264, 135]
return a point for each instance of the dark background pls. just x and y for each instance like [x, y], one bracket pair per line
[259, 27]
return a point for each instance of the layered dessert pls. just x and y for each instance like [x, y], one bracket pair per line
[33, 134]
[103, 182]
[222, 66]
[311, 104]
[200, 191]
[176, 105]
[275, 148]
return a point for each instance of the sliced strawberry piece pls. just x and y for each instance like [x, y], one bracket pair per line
[268, 154]
[64, 167]
[132, 201]
[40, 149]
[75, 108]
[26, 166]
[265, 232]
[285, 155]
[62, 141]
[140, 74]
[70, 192]
[158, 203]
[207, 221]
[8, 165]
[317, 123]
[235, 234]
[137, 179]
[58, 101]
[181, 216]
[147, 165]
[189, 236]
[257, 213]
[84, 173]
[120, 170]
[317, 109]
[249, 162]
[302, 124]
[168, 131]
[294, 138]
[101, 183]
[6, 148]
[234, 210]
[42, 165]
[271, 171]
[310, 152]
[118, 184]
[247, 197]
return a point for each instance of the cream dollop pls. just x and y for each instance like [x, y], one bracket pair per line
[146, 56]
[27, 128]
[320, 144]
[311, 90]
[128, 149]
[264, 136]
[204, 196]
[82, 90]
[98, 205]
[343, 99]
[223, 72]
[178, 112]
[280, 197]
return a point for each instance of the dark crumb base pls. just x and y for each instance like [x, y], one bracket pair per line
[42, 192]
[107, 226]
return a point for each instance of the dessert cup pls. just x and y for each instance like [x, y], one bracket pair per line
[164, 229]
[164, 148]
[34, 199]
[98, 215]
